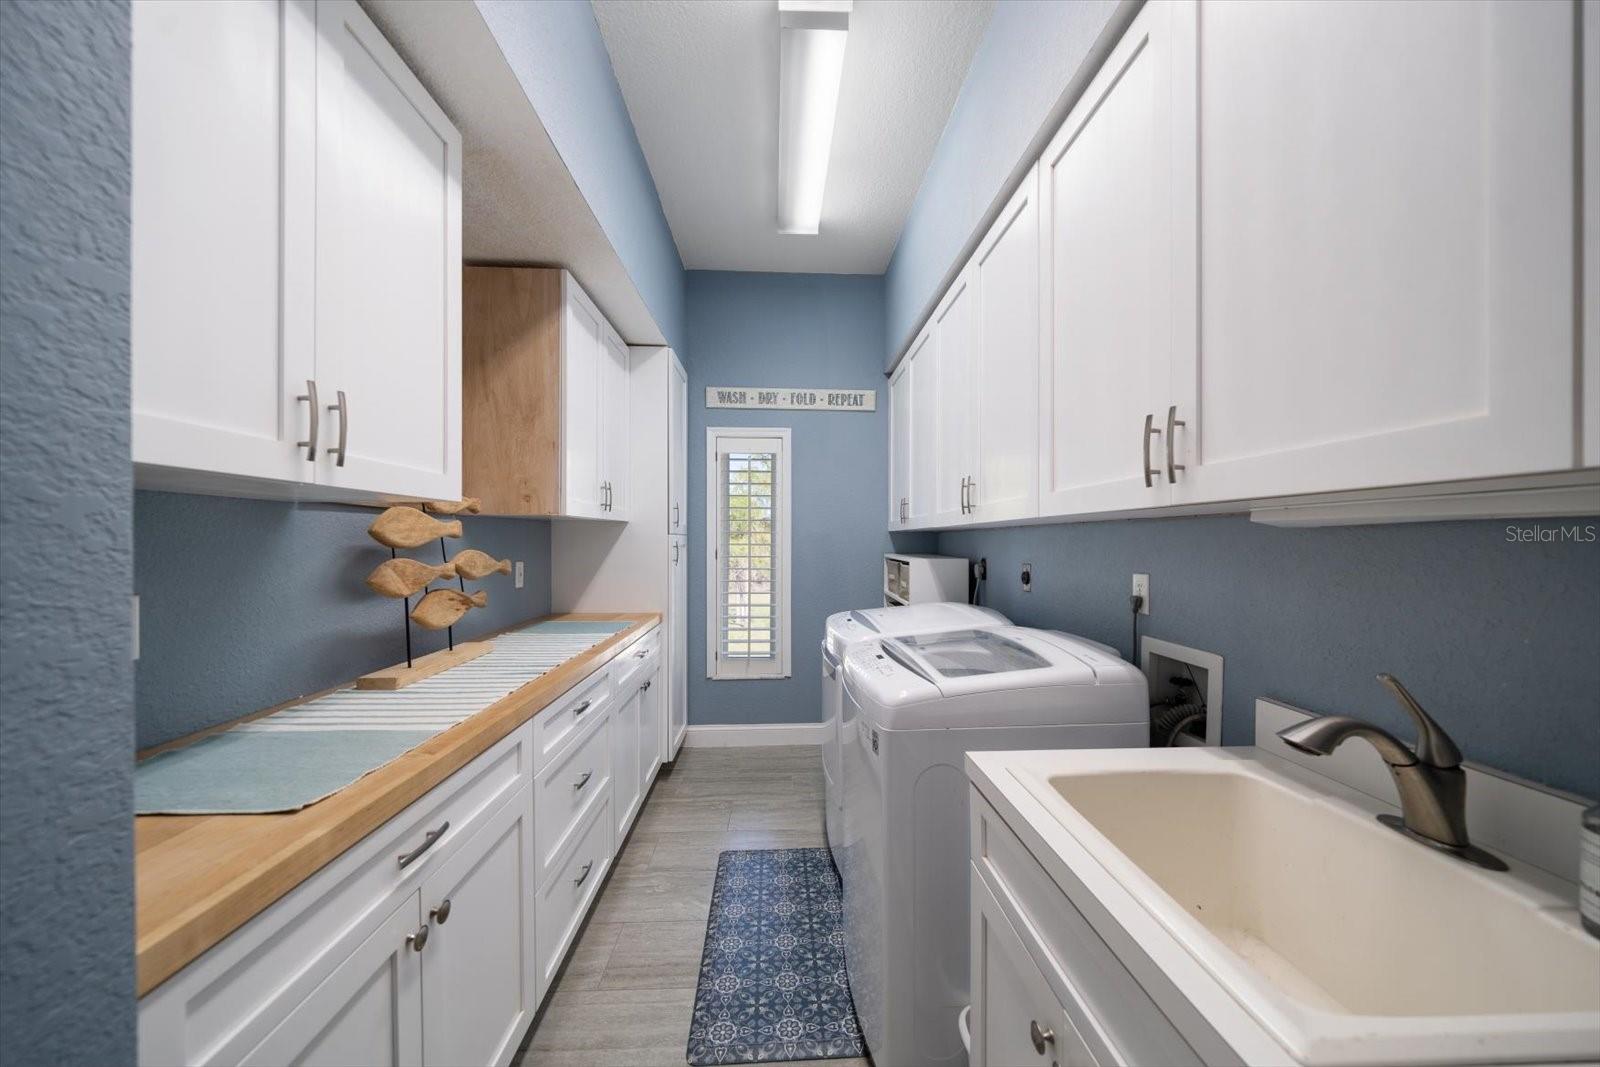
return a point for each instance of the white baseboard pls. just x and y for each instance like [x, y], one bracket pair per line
[798, 733]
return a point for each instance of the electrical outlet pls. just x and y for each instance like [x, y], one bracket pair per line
[1141, 588]
[1027, 577]
[517, 577]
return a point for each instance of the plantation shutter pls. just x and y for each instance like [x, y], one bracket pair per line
[751, 589]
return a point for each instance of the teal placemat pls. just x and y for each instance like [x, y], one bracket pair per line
[251, 772]
[571, 626]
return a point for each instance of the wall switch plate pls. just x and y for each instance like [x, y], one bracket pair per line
[1141, 587]
[517, 577]
[1027, 577]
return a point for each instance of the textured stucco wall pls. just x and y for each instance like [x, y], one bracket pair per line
[66, 683]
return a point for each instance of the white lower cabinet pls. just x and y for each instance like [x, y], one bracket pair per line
[652, 726]
[626, 792]
[565, 897]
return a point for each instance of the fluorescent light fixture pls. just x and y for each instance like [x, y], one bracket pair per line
[812, 35]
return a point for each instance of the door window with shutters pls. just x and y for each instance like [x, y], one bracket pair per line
[747, 572]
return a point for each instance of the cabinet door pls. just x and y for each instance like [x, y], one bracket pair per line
[678, 646]
[1113, 282]
[368, 1011]
[652, 729]
[1005, 429]
[677, 447]
[900, 445]
[223, 220]
[388, 261]
[1387, 291]
[955, 324]
[1016, 1018]
[582, 382]
[625, 760]
[922, 364]
[614, 423]
[479, 984]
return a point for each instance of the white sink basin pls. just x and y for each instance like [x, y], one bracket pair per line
[1347, 941]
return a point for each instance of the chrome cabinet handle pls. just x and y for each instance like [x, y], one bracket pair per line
[674, 514]
[583, 780]
[441, 914]
[1149, 471]
[674, 551]
[429, 839]
[645, 687]
[581, 708]
[583, 874]
[418, 939]
[344, 428]
[904, 506]
[310, 443]
[963, 495]
[1172, 422]
[972, 495]
[1040, 1038]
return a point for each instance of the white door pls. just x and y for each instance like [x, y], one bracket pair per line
[922, 365]
[652, 728]
[900, 445]
[614, 423]
[388, 262]
[1114, 279]
[582, 382]
[625, 760]
[223, 221]
[1387, 291]
[1016, 1019]
[479, 970]
[677, 447]
[955, 324]
[368, 1011]
[1005, 427]
[678, 648]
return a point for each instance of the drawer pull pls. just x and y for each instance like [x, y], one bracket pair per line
[645, 686]
[429, 839]
[1149, 432]
[581, 708]
[583, 874]
[310, 443]
[1040, 1038]
[418, 939]
[344, 429]
[583, 780]
[441, 914]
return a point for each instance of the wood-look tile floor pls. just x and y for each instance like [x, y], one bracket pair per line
[625, 996]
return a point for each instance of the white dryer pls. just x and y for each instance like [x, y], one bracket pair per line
[852, 627]
[916, 705]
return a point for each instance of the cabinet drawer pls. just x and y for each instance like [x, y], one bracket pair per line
[1116, 1018]
[558, 725]
[225, 1003]
[633, 662]
[567, 790]
[565, 898]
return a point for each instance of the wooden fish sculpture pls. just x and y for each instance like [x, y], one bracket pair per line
[443, 607]
[472, 564]
[405, 577]
[466, 506]
[403, 527]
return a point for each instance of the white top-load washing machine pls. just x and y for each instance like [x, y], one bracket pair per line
[850, 627]
[916, 705]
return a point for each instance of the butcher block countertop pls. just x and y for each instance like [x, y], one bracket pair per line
[198, 878]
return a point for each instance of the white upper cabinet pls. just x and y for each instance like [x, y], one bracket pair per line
[388, 261]
[900, 445]
[1004, 466]
[677, 441]
[583, 382]
[223, 221]
[1386, 260]
[296, 251]
[955, 325]
[922, 366]
[1115, 286]
[614, 423]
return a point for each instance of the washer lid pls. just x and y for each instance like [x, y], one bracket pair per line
[847, 627]
[975, 661]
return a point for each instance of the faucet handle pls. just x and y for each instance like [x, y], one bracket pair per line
[1434, 746]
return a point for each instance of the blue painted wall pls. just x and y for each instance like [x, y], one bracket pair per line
[247, 603]
[1025, 72]
[558, 54]
[792, 330]
[66, 682]
[1497, 638]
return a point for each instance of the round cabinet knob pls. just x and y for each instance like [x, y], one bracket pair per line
[418, 939]
[1040, 1038]
[441, 914]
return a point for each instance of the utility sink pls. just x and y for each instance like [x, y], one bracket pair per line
[1348, 942]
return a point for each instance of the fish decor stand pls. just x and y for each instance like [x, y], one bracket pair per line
[437, 609]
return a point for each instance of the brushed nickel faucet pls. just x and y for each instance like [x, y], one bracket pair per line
[1431, 783]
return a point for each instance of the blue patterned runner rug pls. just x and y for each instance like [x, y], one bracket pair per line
[773, 985]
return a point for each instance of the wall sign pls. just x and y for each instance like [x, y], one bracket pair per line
[793, 399]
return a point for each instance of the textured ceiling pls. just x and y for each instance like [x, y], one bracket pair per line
[700, 78]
